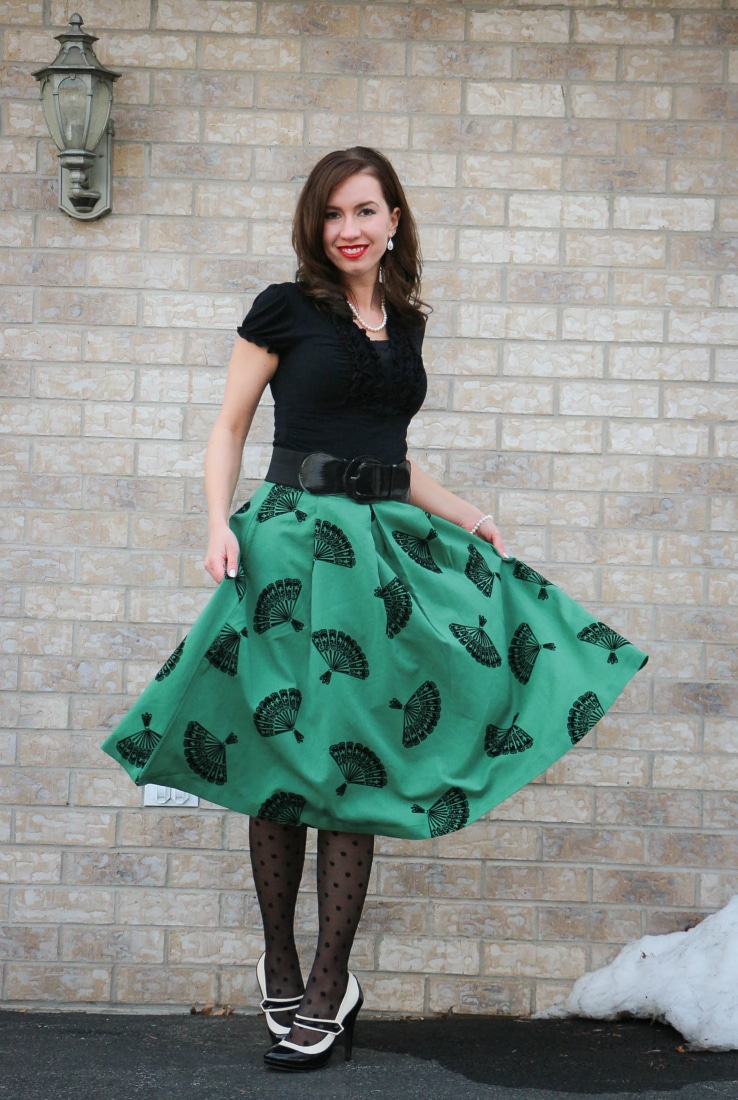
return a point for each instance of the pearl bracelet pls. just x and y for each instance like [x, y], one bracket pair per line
[479, 523]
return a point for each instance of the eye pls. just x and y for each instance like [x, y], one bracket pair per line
[367, 210]
[329, 214]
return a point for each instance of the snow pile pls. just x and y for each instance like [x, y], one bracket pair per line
[686, 979]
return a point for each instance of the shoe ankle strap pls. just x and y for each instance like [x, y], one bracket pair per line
[279, 1004]
[329, 1027]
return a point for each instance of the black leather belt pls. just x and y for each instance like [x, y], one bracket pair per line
[364, 479]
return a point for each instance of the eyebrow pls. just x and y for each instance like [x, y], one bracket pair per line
[367, 202]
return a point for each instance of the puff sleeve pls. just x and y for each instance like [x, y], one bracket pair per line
[270, 322]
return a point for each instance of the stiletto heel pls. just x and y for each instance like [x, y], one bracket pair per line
[292, 1058]
[271, 1005]
[348, 1031]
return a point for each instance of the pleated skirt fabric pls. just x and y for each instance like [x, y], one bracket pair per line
[371, 669]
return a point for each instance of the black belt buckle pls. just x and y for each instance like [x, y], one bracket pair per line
[362, 480]
[318, 472]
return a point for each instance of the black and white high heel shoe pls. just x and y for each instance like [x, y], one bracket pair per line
[270, 1006]
[293, 1058]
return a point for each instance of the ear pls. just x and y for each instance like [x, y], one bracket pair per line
[394, 218]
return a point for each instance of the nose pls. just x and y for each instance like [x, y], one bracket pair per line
[350, 229]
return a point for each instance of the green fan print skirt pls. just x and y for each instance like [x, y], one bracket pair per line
[371, 668]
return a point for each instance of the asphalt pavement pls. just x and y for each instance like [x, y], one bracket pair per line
[91, 1056]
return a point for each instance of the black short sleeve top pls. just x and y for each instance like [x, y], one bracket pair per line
[334, 389]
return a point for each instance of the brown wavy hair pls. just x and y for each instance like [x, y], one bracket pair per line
[401, 268]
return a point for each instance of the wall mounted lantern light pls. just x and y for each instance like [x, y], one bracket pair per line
[76, 97]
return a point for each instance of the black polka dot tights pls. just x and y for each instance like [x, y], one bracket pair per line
[344, 866]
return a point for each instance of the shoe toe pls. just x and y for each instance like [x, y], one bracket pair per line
[293, 1061]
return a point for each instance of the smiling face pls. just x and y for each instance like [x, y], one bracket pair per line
[358, 223]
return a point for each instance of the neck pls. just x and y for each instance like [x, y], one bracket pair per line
[363, 319]
[366, 304]
[366, 294]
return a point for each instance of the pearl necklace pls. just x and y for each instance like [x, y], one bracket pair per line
[368, 327]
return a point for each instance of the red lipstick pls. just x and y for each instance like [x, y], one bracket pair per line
[361, 249]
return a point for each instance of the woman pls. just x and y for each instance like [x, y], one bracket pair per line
[372, 661]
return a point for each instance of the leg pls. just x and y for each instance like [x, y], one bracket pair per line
[277, 858]
[344, 865]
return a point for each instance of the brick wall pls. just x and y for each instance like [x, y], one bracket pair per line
[573, 169]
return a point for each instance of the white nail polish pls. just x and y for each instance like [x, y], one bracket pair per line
[231, 572]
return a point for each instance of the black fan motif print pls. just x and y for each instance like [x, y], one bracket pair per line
[171, 662]
[223, 653]
[331, 545]
[418, 550]
[205, 754]
[276, 604]
[477, 643]
[523, 652]
[277, 713]
[479, 573]
[585, 713]
[449, 813]
[137, 748]
[506, 741]
[601, 634]
[422, 711]
[398, 605]
[244, 508]
[240, 581]
[341, 653]
[524, 572]
[279, 501]
[284, 808]
[359, 765]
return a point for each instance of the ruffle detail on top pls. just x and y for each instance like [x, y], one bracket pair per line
[402, 388]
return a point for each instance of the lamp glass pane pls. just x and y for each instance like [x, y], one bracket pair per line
[48, 104]
[73, 108]
[102, 98]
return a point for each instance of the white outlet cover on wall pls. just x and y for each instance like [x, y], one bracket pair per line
[154, 795]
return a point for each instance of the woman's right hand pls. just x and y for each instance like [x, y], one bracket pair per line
[222, 553]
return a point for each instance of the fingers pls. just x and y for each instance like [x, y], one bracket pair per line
[221, 558]
[499, 545]
[490, 532]
[215, 567]
[231, 562]
[496, 540]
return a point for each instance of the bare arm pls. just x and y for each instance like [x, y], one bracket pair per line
[249, 372]
[427, 494]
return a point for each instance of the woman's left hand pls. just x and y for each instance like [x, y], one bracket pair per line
[427, 494]
[490, 532]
